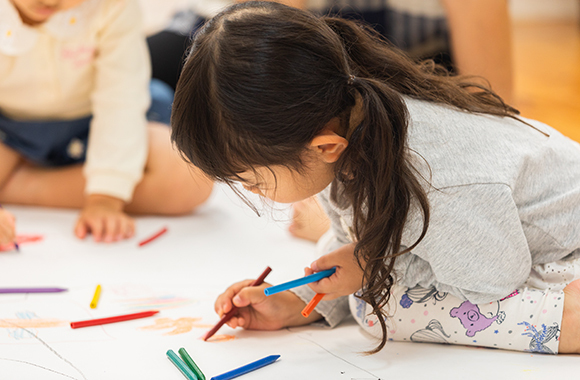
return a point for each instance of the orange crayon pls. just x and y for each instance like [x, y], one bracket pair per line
[312, 304]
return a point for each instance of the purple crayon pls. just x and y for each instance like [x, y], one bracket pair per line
[31, 290]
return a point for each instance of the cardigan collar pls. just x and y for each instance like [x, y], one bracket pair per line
[17, 38]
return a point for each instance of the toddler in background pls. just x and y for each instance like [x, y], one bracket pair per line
[74, 93]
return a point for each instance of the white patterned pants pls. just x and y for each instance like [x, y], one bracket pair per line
[527, 320]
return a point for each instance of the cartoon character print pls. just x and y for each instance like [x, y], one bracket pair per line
[540, 338]
[361, 312]
[432, 333]
[419, 294]
[472, 319]
[512, 294]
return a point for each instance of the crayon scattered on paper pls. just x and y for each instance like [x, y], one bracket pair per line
[150, 239]
[96, 297]
[247, 368]
[115, 319]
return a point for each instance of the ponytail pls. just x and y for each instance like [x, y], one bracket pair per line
[376, 172]
[380, 183]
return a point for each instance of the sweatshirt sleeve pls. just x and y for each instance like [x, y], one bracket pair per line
[337, 310]
[475, 247]
[117, 148]
[334, 311]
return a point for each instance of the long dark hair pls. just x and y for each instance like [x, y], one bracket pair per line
[263, 79]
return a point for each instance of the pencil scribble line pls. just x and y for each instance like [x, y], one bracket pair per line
[47, 346]
[39, 366]
[335, 355]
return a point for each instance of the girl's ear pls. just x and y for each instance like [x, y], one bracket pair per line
[328, 145]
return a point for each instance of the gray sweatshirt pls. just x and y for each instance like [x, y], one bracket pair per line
[503, 196]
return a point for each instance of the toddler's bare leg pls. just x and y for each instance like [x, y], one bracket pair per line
[168, 187]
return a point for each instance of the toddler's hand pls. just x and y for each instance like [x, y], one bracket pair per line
[7, 227]
[260, 312]
[104, 218]
[348, 276]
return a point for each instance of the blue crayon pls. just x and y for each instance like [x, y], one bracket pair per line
[247, 368]
[301, 281]
[188, 373]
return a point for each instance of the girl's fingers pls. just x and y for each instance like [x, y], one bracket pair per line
[325, 262]
[341, 257]
[323, 286]
[223, 303]
[238, 321]
[249, 296]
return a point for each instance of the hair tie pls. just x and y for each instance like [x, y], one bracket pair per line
[351, 79]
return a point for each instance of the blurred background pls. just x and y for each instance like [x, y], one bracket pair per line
[545, 52]
[546, 56]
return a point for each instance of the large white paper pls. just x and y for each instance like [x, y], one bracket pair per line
[181, 273]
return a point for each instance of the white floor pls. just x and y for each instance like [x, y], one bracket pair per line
[180, 274]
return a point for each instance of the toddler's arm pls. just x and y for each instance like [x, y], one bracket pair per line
[117, 149]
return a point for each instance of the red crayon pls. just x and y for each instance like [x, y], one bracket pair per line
[231, 313]
[149, 240]
[118, 318]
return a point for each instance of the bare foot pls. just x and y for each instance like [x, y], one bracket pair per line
[309, 221]
[570, 328]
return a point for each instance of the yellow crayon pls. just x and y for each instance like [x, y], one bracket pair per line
[96, 297]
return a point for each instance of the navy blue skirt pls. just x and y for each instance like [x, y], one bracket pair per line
[64, 142]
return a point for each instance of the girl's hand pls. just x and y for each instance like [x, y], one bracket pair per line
[348, 276]
[104, 218]
[260, 312]
[7, 227]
